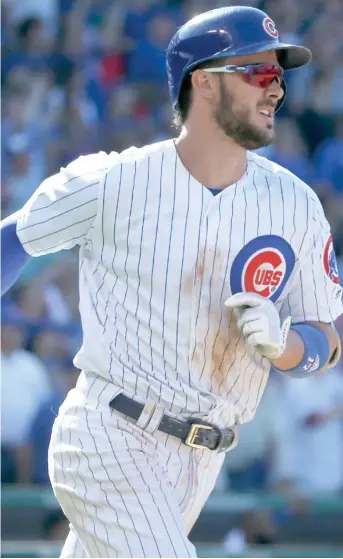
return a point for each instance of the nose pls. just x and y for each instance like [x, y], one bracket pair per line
[276, 90]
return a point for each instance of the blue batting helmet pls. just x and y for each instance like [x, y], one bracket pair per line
[222, 33]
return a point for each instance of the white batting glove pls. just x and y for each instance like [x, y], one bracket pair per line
[259, 322]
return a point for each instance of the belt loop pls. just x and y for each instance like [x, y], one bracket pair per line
[151, 417]
[145, 416]
[155, 419]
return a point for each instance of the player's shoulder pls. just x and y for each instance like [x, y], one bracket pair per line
[269, 169]
[92, 162]
[135, 154]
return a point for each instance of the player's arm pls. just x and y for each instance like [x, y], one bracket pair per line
[13, 257]
[303, 340]
[58, 216]
[325, 337]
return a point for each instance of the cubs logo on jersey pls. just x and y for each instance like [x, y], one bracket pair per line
[330, 262]
[263, 266]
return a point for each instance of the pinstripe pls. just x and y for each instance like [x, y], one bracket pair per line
[262, 379]
[139, 265]
[183, 536]
[73, 478]
[59, 230]
[95, 539]
[158, 508]
[245, 215]
[223, 286]
[280, 171]
[58, 215]
[232, 363]
[114, 243]
[103, 491]
[103, 220]
[241, 394]
[134, 491]
[301, 245]
[181, 274]
[87, 534]
[306, 228]
[197, 259]
[127, 254]
[283, 208]
[167, 271]
[210, 290]
[325, 277]
[314, 278]
[201, 284]
[258, 206]
[91, 471]
[51, 248]
[65, 196]
[181, 463]
[302, 295]
[294, 210]
[153, 258]
[270, 207]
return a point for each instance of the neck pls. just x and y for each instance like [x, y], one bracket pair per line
[212, 158]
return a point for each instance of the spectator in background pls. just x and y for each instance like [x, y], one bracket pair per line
[51, 345]
[314, 408]
[147, 61]
[55, 526]
[24, 387]
[260, 447]
[328, 161]
[24, 177]
[289, 150]
[30, 46]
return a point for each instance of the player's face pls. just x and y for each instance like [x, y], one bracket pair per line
[239, 105]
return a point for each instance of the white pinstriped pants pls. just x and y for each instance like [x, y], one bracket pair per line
[126, 492]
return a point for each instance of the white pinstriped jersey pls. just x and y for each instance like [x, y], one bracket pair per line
[159, 255]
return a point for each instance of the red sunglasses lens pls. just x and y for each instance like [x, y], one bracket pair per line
[262, 75]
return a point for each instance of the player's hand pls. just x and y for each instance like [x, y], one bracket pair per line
[259, 323]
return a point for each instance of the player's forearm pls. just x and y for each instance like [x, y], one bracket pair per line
[13, 256]
[295, 349]
[293, 353]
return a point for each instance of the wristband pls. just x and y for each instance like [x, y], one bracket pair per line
[316, 354]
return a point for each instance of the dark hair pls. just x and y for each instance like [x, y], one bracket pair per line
[185, 97]
[184, 103]
[25, 27]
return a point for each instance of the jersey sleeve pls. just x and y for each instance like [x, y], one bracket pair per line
[316, 293]
[62, 210]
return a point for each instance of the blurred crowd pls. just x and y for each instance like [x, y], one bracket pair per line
[79, 76]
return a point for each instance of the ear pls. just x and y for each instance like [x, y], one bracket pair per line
[204, 84]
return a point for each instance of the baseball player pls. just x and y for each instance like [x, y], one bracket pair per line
[202, 265]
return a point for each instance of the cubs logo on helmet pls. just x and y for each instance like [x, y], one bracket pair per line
[330, 262]
[269, 27]
[263, 266]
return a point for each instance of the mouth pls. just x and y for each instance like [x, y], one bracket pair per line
[267, 114]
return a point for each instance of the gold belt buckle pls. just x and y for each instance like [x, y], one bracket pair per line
[193, 433]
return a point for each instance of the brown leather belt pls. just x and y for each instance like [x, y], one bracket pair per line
[195, 433]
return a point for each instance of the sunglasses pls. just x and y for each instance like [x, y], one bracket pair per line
[258, 75]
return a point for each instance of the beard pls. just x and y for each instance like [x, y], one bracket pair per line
[236, 125]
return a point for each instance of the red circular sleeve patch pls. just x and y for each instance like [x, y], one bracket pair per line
[330, 262]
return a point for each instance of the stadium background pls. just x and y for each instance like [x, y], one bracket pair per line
[79, 76]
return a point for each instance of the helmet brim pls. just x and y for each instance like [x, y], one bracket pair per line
[293, 56]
